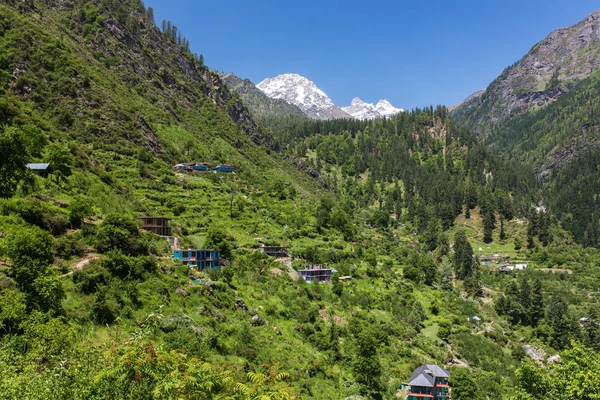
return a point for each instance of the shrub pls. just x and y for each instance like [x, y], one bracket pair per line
[91, 277]
[120, 232]
[69, 246]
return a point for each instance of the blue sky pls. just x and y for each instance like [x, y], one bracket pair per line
[413, 53]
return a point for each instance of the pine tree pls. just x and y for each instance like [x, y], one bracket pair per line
[513, 307]
[591, 330]
[530, 235]
[488, 217]
[446, 275]
[502, 232]
[544, 228]
[525, 301]
[537, 303]
[463, 256]
[558, 319]
[150, 14]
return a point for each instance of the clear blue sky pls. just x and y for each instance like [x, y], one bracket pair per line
[413, 53]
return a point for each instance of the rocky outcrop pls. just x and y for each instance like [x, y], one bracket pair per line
[308, 169]
[471, 97]
[564, 153]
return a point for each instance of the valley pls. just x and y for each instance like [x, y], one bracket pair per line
[169, 231]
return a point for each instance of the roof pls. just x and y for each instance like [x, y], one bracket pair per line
[316, 268]
[39, 167]
[425, 375]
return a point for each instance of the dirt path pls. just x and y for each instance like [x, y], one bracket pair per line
[288, 263]
[82, 262]
[556, 270]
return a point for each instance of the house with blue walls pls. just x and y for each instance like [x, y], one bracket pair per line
[199, 259]
[224, 168]
[201, 167]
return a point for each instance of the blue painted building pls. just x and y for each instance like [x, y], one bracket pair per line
[199, 259]
[224, 168]
[201, 167]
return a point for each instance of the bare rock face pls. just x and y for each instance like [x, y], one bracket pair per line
[308, 169]
[564, 153]
[550, 69]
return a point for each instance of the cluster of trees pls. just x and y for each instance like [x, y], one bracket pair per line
[174, 34]
[523, 303]
[418, 166]
[573, 197]
[466, 267]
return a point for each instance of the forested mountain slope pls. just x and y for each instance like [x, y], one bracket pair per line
[543, 111]
[108, 78]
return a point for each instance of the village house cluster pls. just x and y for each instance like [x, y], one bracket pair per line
[502, 261]
[204, 259]
[203, 167]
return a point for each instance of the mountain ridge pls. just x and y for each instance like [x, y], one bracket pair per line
[302, 92]
[549, 70]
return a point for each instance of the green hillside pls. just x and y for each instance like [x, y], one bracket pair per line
[411, 211]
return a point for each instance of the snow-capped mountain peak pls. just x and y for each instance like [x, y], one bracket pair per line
[385, 108]
[362, 110]
[357, 102]
[300, 91]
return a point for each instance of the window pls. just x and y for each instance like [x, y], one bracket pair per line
[185, 254]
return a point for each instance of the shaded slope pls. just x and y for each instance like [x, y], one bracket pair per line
[259, 104]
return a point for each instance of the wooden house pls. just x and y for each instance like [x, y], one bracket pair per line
[157, 225]
[274, 251]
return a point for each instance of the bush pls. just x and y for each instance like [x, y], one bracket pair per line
[69, 246]
[106, 306]
[79, 209]
[91, 277]
[122, 266]
[121, 232]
